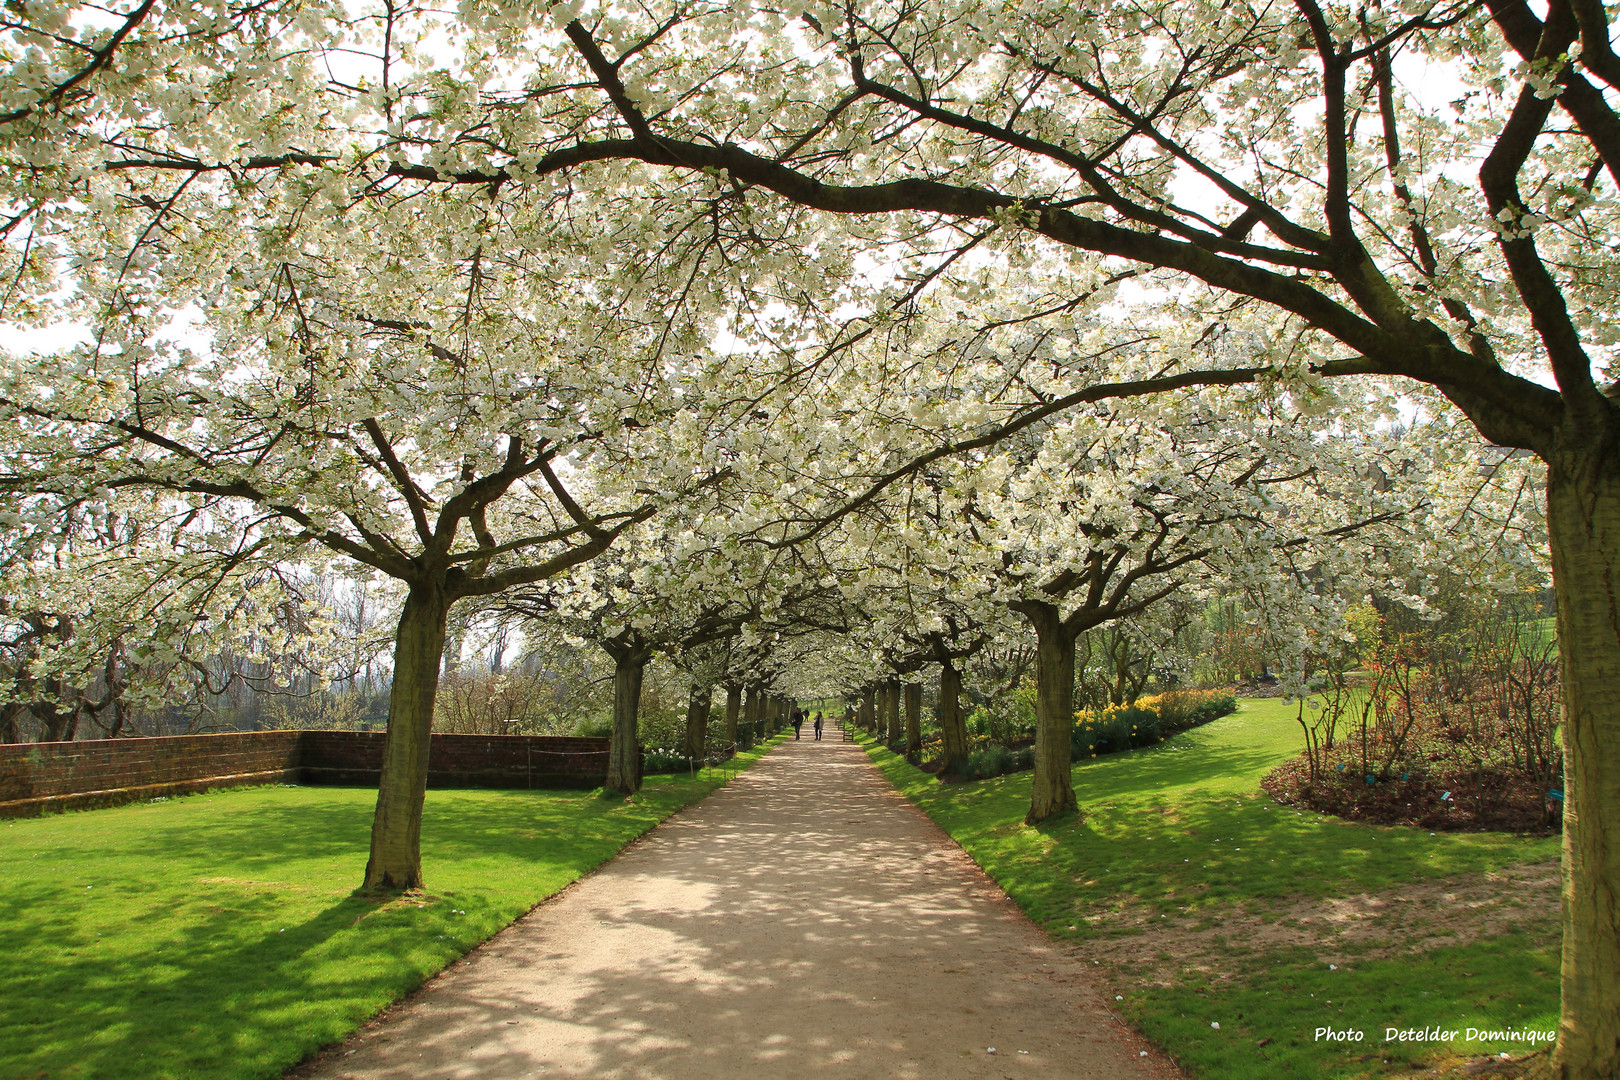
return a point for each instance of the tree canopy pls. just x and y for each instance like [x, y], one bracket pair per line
[381, 279]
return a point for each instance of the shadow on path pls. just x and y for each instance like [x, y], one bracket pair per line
[804, 921]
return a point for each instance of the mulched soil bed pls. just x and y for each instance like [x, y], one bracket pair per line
[1509, 803]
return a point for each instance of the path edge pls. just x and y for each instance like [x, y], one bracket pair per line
[307, 1065]
[1161, 1060]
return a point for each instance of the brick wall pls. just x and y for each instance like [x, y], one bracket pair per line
[103, 772]
[491, 761]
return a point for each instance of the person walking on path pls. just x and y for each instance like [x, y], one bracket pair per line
[818, 727]
[798, 722]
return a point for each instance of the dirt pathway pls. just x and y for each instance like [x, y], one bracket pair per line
[804, 921]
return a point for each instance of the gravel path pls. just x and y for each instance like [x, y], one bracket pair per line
[803, 921]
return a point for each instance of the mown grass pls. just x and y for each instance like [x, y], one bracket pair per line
[215, 937]
[1176, 836]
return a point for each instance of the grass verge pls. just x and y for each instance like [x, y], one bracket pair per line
[1208, 904]
[215, 937]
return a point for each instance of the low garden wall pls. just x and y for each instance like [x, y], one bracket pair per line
[37, 777]
[354, 758]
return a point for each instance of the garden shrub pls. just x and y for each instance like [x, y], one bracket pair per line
[997, 761]
[661, 727]
[1111, 729]
[1445, 724]
[1179, 710]
[663, 761]
[1104, 731]
[594, 727]
[1009, 722]
[1148, 720]
[1411, 742]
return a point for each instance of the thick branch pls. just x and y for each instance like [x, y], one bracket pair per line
[1498, 177]
[1584, 102]
[607, 74]
[402, 479]
[1230, 244]
[585, 521]
[550, 568]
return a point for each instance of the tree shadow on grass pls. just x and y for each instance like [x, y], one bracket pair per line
[1185, 835]
[286, 828]
[1269, 1017]
[1182, 826]
[1185, 855]
[1173, 764]
[213, 994]
[219, 938]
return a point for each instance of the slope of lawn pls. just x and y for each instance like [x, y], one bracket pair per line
[1205, 904]
[215, 936]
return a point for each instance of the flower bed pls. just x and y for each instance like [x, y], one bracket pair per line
[1110, 730]
[1490, 799]
[1146, 721]
[1416, 742]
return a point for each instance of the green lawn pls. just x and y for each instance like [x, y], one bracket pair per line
[215, 936]
[1207, 904]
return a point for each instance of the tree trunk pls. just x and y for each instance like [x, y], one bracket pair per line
[913, 697]
[868, 712]
[115, 689]
[753, 712]
[1583, 518]
[698, 706]
[56, 724]
[1054, 711]
[396, 828]
[893, 727]
[734, 698]
[952, 728]
[623, 771]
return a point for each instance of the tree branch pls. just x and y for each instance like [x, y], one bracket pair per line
[99, 59]
[402, 479]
